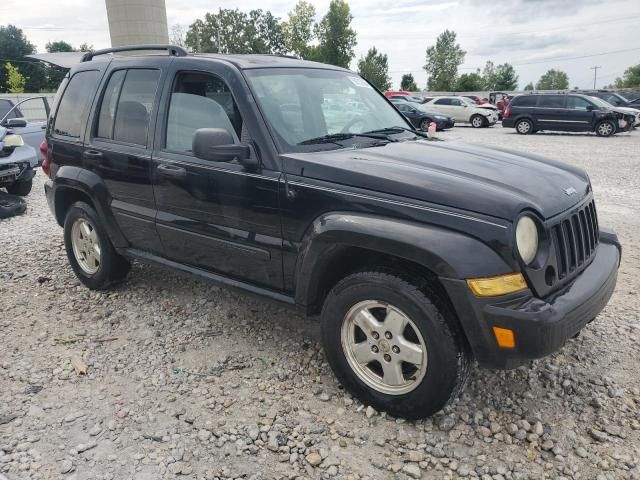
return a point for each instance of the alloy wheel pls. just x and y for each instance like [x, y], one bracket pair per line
[384, 347]
[524, 127]
[605, 129]
[86, 246]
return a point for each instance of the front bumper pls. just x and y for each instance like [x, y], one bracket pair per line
[541, 325]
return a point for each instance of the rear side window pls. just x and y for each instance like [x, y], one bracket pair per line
[525, 101]
[551, 101]
[5, 106]
[127, 104]
[443, 101]
[74, 102]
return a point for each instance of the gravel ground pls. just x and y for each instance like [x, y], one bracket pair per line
[188, 379]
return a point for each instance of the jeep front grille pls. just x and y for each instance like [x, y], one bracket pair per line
[575, 239]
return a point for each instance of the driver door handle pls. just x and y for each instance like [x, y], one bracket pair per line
[169, 170]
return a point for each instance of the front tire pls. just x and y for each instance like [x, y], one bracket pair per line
[524, 127]
[605, 128]
[424, 124]
[22, 188]
[478, 121]
[392, 344]
[89, 250]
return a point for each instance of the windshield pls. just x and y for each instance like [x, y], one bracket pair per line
[317, 109]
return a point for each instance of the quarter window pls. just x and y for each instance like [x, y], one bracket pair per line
[127, 105]
[525, 101]
[74, 102]
[200, 101]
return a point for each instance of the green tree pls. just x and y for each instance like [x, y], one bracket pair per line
[529, 86]
[234, 31]
[374, 66]
[14, 46]
[299, 29]
[553, 80]
[408, 83]
[630, 79]
[15, 80]
[443, 60]
[489, 76]
[58, 46]
[335, 35]
[505, 77]
[469, 82]
[85, 47]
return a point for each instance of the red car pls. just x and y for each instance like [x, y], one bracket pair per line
[390, 93]
[477, 99]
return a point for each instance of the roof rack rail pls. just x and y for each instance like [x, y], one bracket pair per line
[172, 49]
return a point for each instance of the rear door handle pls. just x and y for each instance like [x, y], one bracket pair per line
[169, 170]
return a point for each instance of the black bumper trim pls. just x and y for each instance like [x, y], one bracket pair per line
[541, 326]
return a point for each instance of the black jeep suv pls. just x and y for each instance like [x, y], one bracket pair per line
[418, 254]
[531, 113]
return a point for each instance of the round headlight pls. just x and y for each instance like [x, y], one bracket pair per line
[527, 239]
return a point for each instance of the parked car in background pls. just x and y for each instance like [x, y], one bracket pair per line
[31, 130]
[392, 93]
[418, 255]
[608, 96]
[477, 99]
[408, 98]
[564, 112]
[420, 117]
[17, 163]
[463, 110]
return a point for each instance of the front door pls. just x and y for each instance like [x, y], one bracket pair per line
[580, 112]
[216, 216]
[119, 149]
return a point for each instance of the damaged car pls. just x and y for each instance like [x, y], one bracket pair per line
[17, 163]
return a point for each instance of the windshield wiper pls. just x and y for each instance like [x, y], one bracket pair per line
[336, 137]
[398, 129]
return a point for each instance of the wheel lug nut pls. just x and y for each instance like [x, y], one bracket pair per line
[375, 335]
[395, 349]
[388, 335]
[387, 357]
[374, 349]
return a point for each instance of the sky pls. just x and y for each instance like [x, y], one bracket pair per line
[533, 35]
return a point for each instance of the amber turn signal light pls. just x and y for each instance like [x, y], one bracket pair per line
[504, 337]
[495, 286]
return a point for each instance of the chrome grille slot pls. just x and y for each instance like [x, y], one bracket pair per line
[575, 238]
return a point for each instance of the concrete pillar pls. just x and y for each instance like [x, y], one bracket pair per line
[134, 22]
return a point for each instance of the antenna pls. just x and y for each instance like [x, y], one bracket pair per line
[595, 75]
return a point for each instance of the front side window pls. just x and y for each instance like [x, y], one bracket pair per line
[127, 104]
[304, 104]
[74, 102]
[5, 107]
[201, 101]
[578, 103]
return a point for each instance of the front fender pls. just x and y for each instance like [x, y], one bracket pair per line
[445, 253]
[69, 180]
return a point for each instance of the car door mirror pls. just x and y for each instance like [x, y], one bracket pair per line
[591, 108]
[217, 145]
[15, 123]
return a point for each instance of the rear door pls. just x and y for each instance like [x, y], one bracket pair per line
[551, 113]
[217, 216]
[119, 146]
[443, 105]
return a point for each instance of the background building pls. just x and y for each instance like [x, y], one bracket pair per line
[137, 22]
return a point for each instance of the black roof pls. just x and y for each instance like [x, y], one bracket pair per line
[249, 61]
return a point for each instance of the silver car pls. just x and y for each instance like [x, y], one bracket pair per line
[17, 163]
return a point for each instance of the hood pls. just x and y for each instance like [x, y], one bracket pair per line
[495, 182]
[626, 110]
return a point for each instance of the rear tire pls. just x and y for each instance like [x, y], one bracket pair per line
[605, 128]
[478, 121]
[524, 127]
[424, 124]
[22, 188]
[413, 389]
[89, 250]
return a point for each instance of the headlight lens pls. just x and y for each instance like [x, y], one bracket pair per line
[527, 239]
[13, 141]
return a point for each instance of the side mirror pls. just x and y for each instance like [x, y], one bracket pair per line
[15, 123]
[216, 144]
[591, 108]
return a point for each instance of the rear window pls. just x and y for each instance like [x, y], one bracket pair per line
[73, 104]
[551, 101]
[127, 104]
[525, 101]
